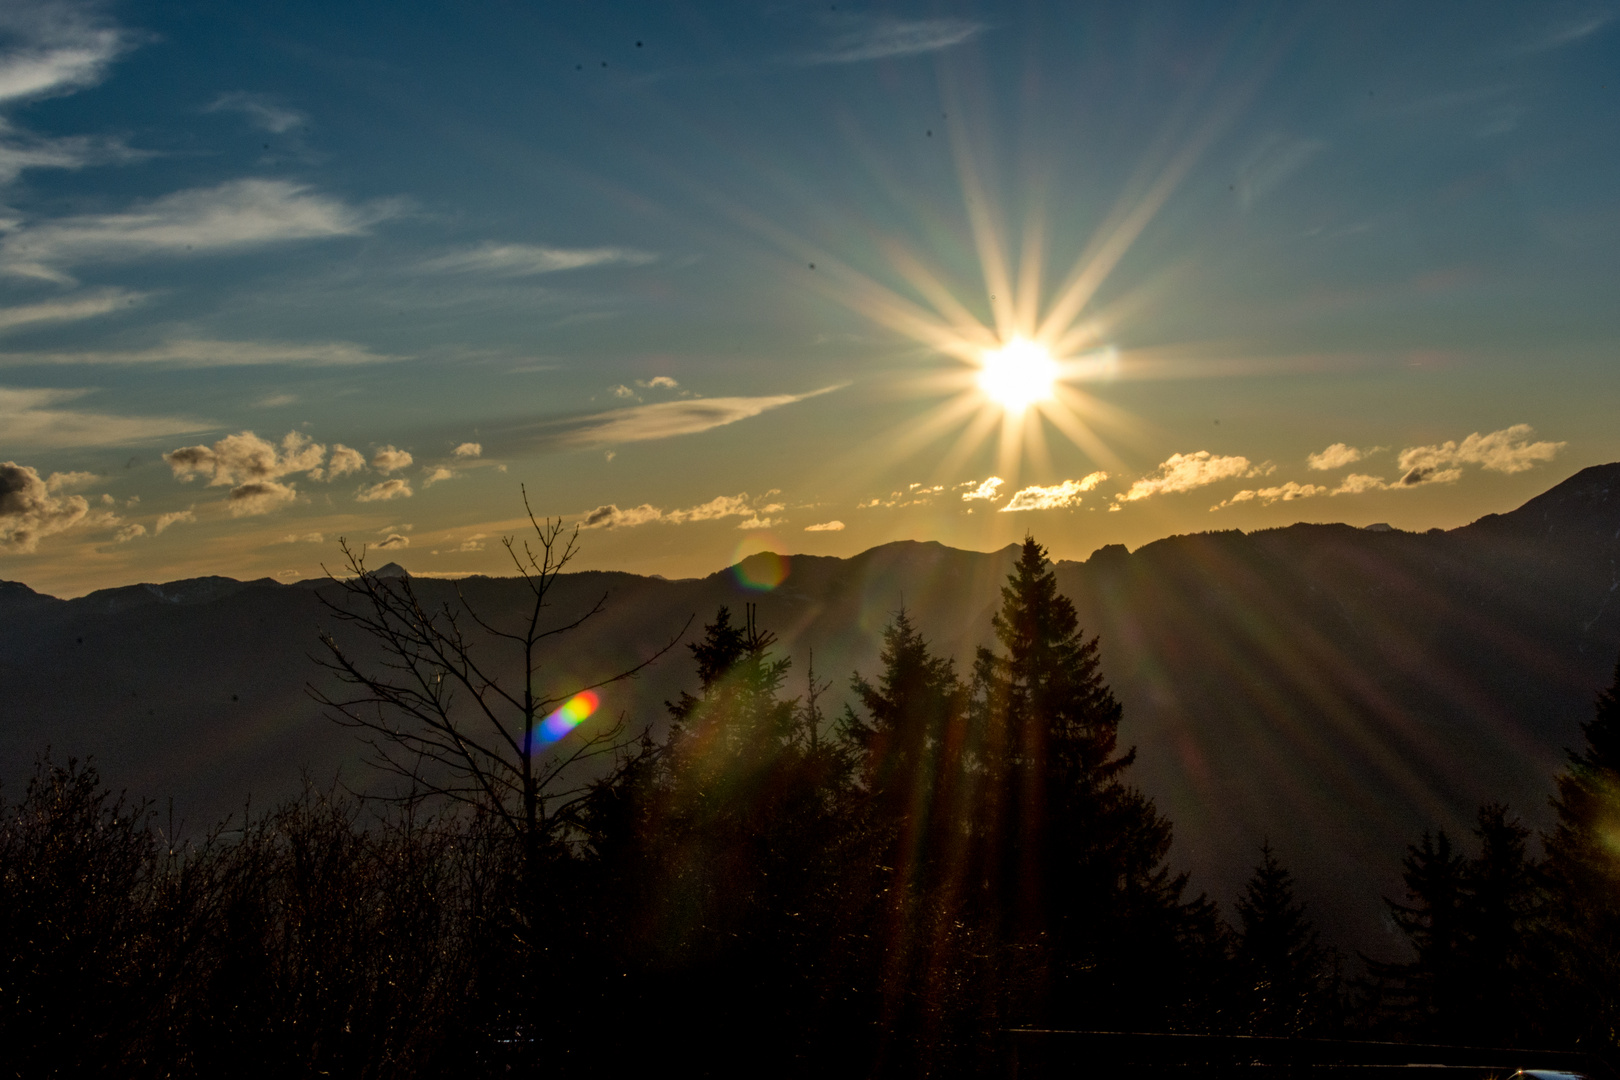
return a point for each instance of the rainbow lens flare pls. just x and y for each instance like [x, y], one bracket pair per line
[572, 713]
[762, 571]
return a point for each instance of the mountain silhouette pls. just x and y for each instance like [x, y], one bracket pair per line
[1332, 690]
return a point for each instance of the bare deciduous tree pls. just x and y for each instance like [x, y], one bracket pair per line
[454, 705]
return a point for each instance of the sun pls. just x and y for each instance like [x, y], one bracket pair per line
[1018, 374]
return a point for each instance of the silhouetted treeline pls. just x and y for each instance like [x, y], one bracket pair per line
[778, 885]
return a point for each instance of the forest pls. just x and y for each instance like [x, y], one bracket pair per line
[877, 874]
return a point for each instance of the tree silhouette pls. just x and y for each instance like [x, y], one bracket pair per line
[1093, 922]
[1583, 877]
[1287, 977]
[455, 704]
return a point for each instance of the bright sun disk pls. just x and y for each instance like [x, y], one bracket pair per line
[1018, 374]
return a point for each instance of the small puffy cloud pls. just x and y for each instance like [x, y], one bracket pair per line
[260, 110]
[475, 542]
[129, 532]
[1507, 451]
[391, 460]
[611, 517]
[658, 382]
[344, 460]
[388, 489]
[245, 456]
[304, 538]
[720, 506]
[28, 510]
[1287, 492]
[984, 489]
[469, 450]
[67, 481]
[1184, 472]
[1054, 497]
[756, 513]
[523, 260]
[437, 473]
[759, 522]
[394, 540]
[1429, 474]
[1336, 456]
[1359, 483]
[177, 517]
[826, 526]
[259, 497]
[623, 391]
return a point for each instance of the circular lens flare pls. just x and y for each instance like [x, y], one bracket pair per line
[1019, 374]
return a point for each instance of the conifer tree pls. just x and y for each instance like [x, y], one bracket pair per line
[1092, 921]
[1583, 878]
[1288, 979]
[1421, 997]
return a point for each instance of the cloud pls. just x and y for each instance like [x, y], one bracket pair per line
[1507, 451]
[1184, 472]
[1429, 474]
[1570, 31]
[658, 382]
[437, 473]
[393, 540]
[85, 306]
[722, 506]
[390, 460]
[239, 458]
[662, 420]
[469, 450]
[263, 112]
[29, 512]
[27, 419]
[259, 497]
[306, 538]
[388, 489]
[985, 489]
[275, 401]
[611, 517]
[129, 532]
[53, 48]
[1054, 497]
[523, 260]
[826, 526]
[475, 542]
[233, 216]
[344, 460]
[1287, 492]
[882, 38]
[66, 481]
[205, 354]
[1336, 456]
[177, 517]
[623, 391]
[1359, 483]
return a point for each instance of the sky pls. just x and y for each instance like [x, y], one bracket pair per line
[708, 279]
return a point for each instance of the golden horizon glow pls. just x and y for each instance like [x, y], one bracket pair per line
[1018, 375]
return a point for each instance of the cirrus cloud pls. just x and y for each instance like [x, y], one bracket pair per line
[661, 420]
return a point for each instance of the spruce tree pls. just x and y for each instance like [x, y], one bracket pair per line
[1289, 981]
[1093, 925]
[1583, 878]
[1421, 998]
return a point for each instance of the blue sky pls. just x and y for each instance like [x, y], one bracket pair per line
[710, 278]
